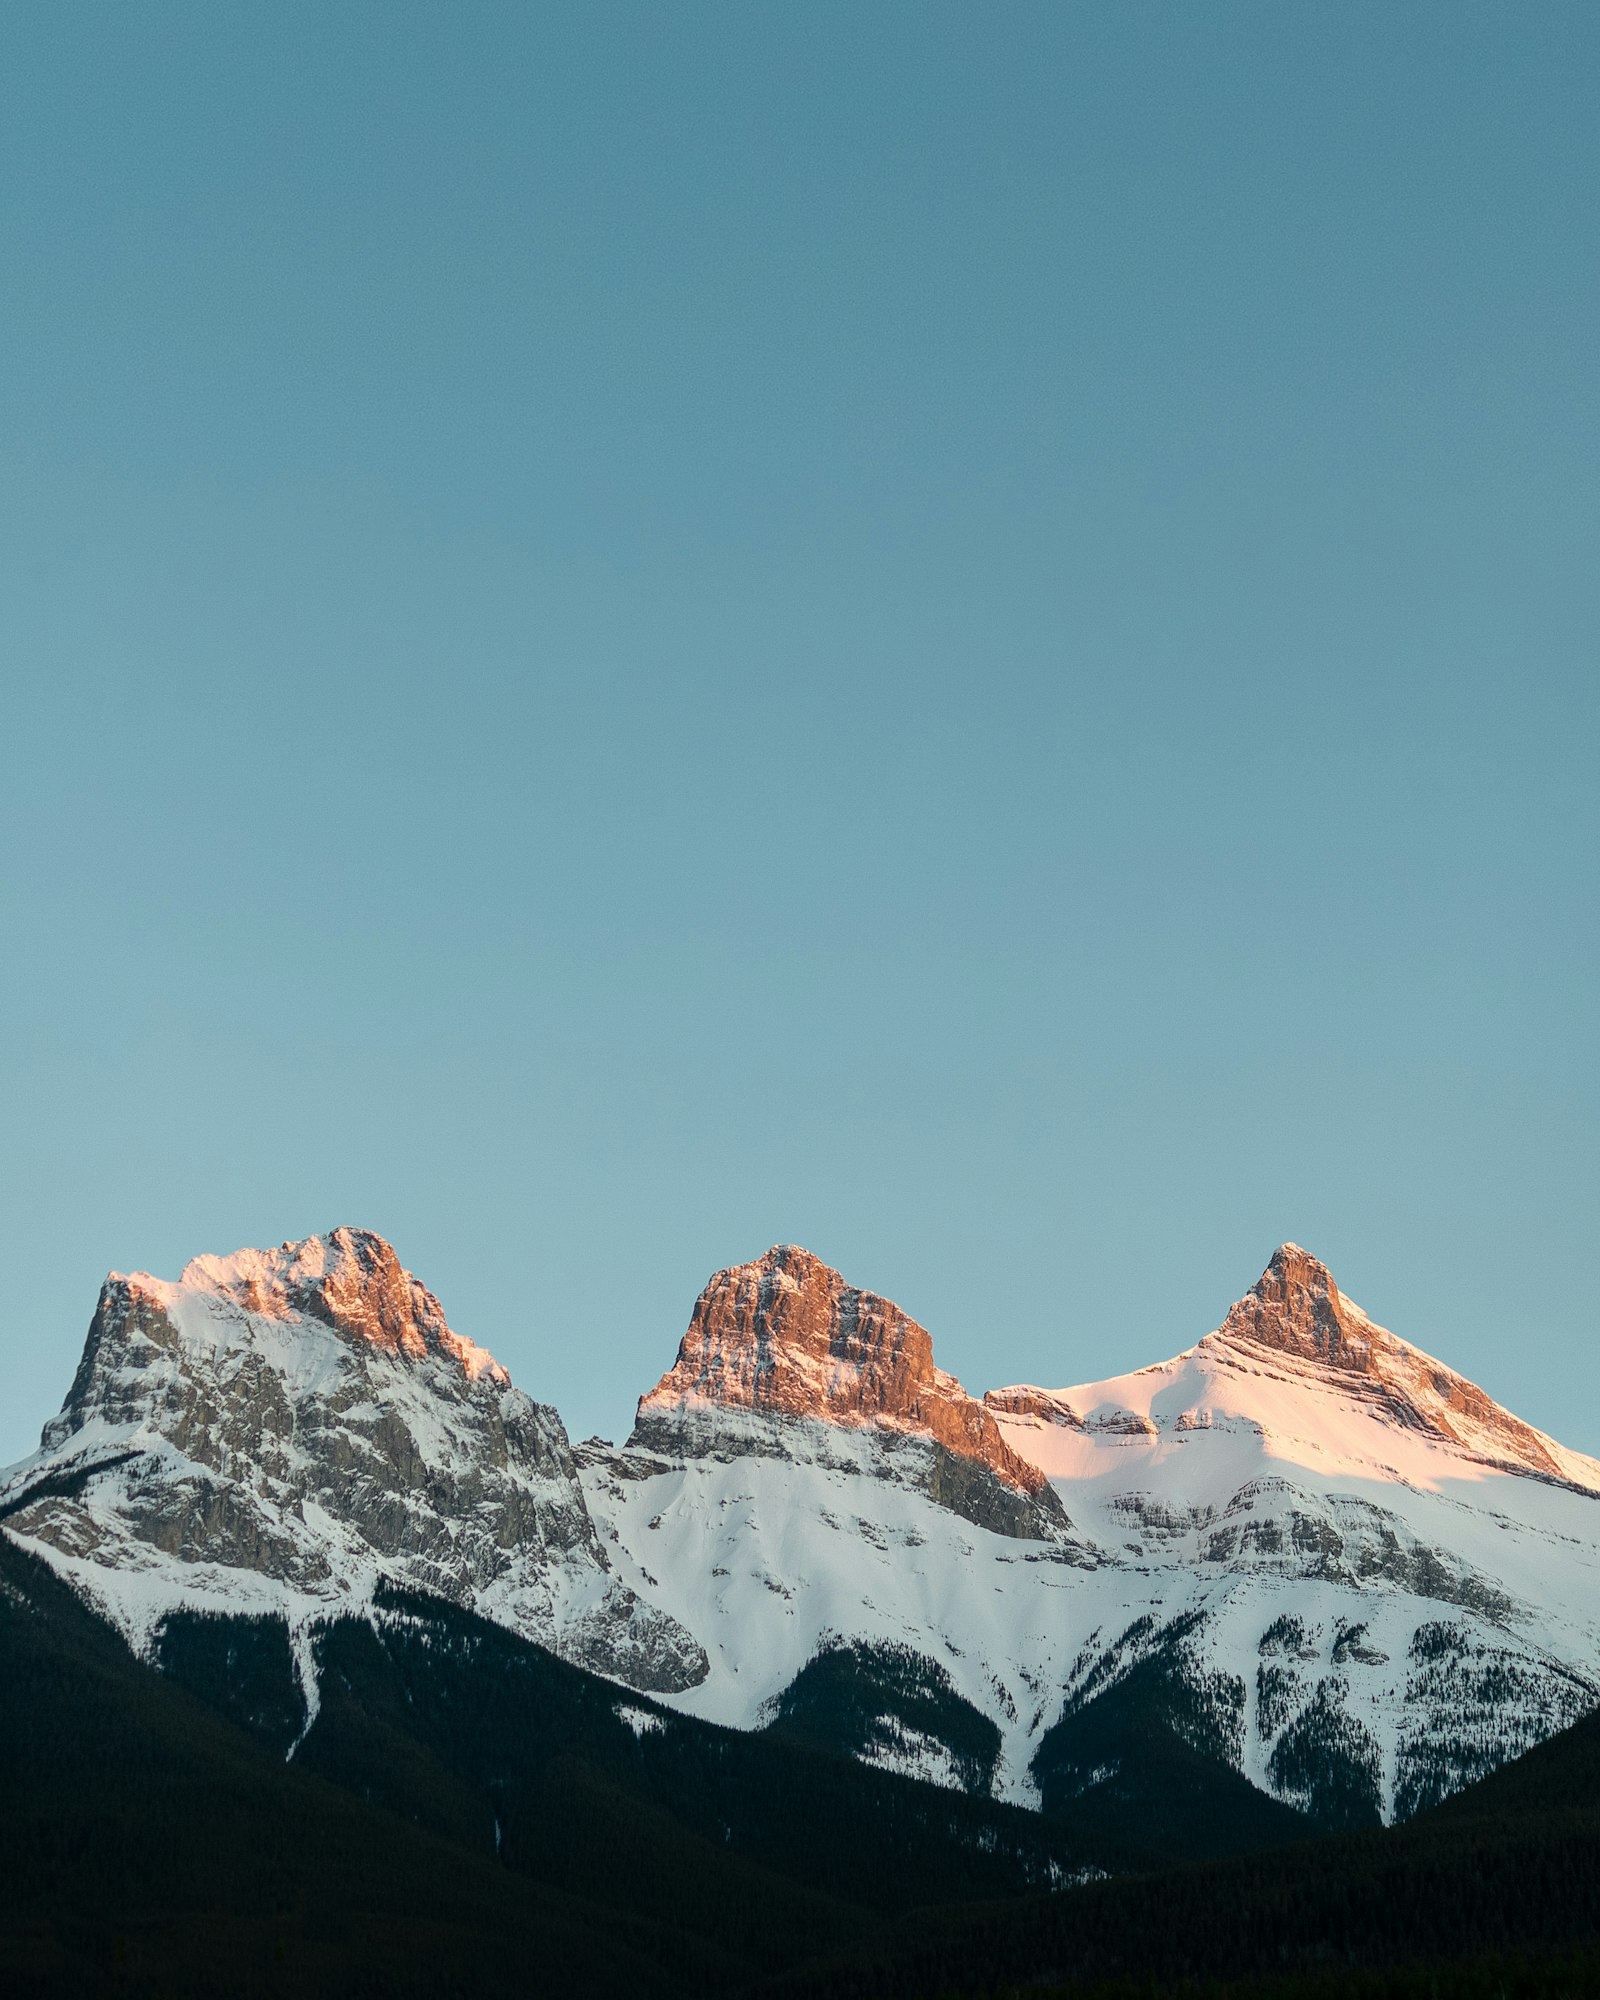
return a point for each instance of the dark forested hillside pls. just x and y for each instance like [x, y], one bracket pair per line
[463, 1803]
[1496, 1891]
[149, 1846]
[1125, 1760]
[468, 1814]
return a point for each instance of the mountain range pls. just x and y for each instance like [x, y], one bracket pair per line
[1299, 1575]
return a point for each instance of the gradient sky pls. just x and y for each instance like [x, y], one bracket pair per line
[965, 635]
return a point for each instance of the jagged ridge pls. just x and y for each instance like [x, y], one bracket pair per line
[283, 1431]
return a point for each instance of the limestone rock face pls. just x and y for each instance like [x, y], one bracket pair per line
[1026, 1401]
[786, 1339]
[281, 1429]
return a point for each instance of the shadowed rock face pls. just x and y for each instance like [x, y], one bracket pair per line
[1296, 1309]
[786, 1337]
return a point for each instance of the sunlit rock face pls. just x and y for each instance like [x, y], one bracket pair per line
[285, 1427]
[1296, 1310]
[787, 1342]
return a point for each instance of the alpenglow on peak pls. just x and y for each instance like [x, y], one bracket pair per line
[1295, 1310]
[785, 1340]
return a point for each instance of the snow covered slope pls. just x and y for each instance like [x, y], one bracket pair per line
[1350, 1573]
[279, 1428]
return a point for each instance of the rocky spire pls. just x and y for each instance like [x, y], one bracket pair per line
[1295, 1306]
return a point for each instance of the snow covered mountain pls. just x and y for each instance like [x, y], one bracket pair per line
[1320, 1554]
[281, 1428]
[1302, 1551]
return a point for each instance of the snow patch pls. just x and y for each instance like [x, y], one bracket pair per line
[642, 1721]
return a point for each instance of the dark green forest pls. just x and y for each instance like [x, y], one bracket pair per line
[469, 1815]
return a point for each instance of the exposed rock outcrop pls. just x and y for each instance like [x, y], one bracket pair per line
[1025, 1401]
[786, 1338]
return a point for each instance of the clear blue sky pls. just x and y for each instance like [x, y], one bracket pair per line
[966, 635]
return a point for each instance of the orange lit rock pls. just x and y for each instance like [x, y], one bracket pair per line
[787, 1338]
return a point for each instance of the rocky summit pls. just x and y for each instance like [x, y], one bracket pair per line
[1296, 1310]
[785, 1339]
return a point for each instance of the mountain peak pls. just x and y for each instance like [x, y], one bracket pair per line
[1296, 1307]
[785, 1336]
[1296, 1310]
[350, 1280]
[296, 1427]
[1297, 1265]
